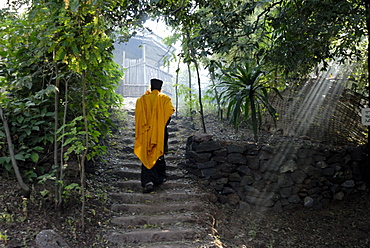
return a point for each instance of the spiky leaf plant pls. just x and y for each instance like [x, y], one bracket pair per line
[245, 96]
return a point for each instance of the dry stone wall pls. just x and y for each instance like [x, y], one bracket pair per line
[280, 177]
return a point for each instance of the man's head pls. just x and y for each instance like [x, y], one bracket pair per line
[156, 84]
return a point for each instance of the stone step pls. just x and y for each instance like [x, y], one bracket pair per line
[135, 185]
[127, 152]
[142, 221]
[173, 155]
[128, 173]
[128, 156]
[137, 165]
[175, 158]
[154, 236]
[171, 245]
[172, 136]
[128, 141]
[156, 208]
[175, 144]
[166, 218]
[129, 136]
[160, 196]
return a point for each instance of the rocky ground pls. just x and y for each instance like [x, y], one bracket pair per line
[179, 214]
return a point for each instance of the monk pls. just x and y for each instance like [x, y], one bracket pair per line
[152, 114]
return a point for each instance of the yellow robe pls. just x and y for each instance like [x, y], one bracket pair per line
[152, 112]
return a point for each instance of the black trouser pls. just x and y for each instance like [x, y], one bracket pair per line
[157, 173]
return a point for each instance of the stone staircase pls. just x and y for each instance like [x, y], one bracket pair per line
[176, 215]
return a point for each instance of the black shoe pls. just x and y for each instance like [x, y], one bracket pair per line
[149, 187]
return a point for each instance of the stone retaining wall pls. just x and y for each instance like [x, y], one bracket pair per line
[279, 177]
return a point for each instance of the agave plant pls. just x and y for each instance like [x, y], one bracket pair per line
[246, 96]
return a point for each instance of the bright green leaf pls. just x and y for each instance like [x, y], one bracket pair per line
[20, 156]
[35, 157]
[20, 119]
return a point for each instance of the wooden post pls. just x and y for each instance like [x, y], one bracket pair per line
[144, 64]
[123, 67]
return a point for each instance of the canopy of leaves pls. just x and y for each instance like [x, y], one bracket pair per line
[291, 36]
[47, 51]
[307, 33]
[55, 43]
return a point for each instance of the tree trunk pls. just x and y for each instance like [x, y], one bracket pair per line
[190, 98]
[200, 97]
[26, 190]
[83, 159]
[61, 173]
[219, 109]
[177, 87]
[58, 184]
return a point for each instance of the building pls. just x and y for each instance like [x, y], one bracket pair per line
[142, 58]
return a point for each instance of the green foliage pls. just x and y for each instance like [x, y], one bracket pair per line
[51, 175]
[68, 190]
[56, 47]
[91, 55]
[189, 98]
[209, 101]
[291, 37]
[59, 53]
[360, 78]
[30, 175]
[73, 137]
[306, 33]
[46, 52]
[246, 96]
[6, 218]
[3, 237]
[30, 125]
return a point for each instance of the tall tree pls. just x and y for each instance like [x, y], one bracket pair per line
[284, 36]
[50, 44]
[307, 33]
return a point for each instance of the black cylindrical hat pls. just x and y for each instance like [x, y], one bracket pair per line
[156, 84]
